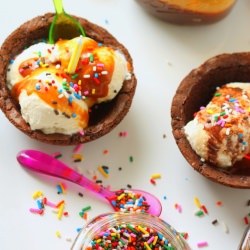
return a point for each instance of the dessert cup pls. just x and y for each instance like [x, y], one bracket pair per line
[196, 90]
[103, 117]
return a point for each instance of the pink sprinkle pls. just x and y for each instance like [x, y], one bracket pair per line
[202, 108]
[86, 92]
[150, 240]
[202, 244]
[77, 148]
[179, 208]
[48, 203]
[56, 154]
[35, 210]
[81, 132]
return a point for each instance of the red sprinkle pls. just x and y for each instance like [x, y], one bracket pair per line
[204, 209]
[246, 220]
[153, 181]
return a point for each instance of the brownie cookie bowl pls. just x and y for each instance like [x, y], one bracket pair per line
[50, 104]
[210, 115]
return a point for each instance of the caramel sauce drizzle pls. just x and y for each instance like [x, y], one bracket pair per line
[90, 81]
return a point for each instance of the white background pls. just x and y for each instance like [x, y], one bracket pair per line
[163, 54]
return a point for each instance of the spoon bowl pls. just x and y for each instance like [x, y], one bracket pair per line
[47, 164]
[63, 26]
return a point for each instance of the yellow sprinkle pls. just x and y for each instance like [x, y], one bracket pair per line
[60, 211]
[99, 240]
[131, 195]
[93, 91]
[156, 176]
[58, 234]
[210, 111]
[102, 172]
[147, 246]
[197, 202]
[75, 56]
[143, 230]
[77, 157]
[79, 82]
[248, 109]
[120, 196]
[155, 240]
[37, 194]
[63, 188]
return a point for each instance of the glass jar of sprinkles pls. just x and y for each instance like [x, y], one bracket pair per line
[188, 11]
[128, 231]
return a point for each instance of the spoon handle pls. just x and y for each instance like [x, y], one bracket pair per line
[58, 6]
[47, 164]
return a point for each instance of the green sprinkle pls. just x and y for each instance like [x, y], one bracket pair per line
[122, 241]
[58, 156]
[217, 94]
[39, 54]
[74, 76]
[91, 58]
[86, 208]
[199, 213]
[131, 228]
[216, 118]
[222, 113]
[131, 159]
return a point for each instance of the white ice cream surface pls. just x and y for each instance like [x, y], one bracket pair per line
[230, 136]
[39, 114]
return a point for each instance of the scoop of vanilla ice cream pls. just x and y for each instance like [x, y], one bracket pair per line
[42, 116]
[225, 140]
[37, 113]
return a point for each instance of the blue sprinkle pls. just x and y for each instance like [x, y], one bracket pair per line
[60, 90]
[38, 87]
[70, 99]
[12, 61]
[232, 100]
[39, 204]
[59, 189]
[77, 96]
[240, 135]
[96, 75]
[74, 115]
[159, 235]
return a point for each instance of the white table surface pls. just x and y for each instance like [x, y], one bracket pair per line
[163, 54]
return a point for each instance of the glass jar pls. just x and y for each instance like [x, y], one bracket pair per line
[245, 241]
[134, 224]
[188, 11]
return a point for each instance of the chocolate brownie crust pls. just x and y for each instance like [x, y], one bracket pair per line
[103, 118]
[196, 90]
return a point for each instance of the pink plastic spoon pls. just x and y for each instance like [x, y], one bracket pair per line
[47, 164]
